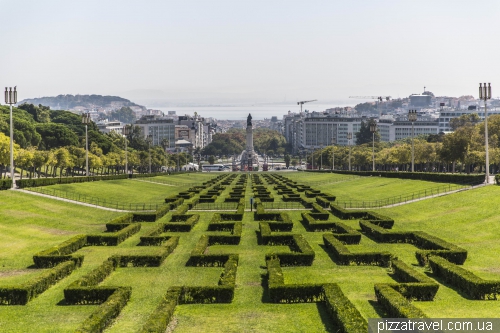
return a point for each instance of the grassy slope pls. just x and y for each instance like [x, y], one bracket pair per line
[362, 188]
[467, 219]
[139, 190]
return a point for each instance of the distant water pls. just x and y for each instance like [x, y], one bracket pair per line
[241, 112]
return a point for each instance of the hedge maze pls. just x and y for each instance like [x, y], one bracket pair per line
[282, 234]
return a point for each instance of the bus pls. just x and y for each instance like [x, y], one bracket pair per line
[213, 167]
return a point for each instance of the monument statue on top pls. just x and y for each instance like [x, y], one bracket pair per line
[249, 158]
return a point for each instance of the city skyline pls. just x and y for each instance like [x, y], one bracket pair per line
[249, 53]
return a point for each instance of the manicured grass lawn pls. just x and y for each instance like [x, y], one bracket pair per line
[131, 191]
[29, 224]
[346, 187]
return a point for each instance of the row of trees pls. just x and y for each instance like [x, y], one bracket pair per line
[49, 143]
[71, 160]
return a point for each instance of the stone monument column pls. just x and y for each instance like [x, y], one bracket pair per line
[249, 147]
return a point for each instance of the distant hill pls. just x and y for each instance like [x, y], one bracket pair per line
[83, 102]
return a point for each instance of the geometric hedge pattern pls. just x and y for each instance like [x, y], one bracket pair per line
[276, 230]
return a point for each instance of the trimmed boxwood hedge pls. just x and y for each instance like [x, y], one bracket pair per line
[435, 177]
[114, 238]
[35, 182]
[344, 314]
[396, 304]
[5, 184]
[107, 311]
[22, 294]
[63, 252]
[161, 316]
[464, 280]
[344, 257]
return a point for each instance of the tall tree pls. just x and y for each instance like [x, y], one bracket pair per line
[365, 135]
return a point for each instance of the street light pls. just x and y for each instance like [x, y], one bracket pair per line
[165, 143]
[11, 98]
[412, 116]
[86, 120]
[373, 129]
[349, 138]
[334, 141]
[321, 158]
[485, 94]
[126, 131]
[149, 140]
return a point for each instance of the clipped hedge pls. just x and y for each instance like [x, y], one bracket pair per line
[148, 260]
[344, 314]
[161, 316]
[344, 257]
[181, 223]
[432, 245]
[435, 177]
[106, 312]
[464, 280]
[35, 182]
[5, 184]
[22, 294]
[60, 253]
[396, 304]
[114, 238]
[302, 253]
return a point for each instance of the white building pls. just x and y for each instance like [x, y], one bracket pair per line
[159, 128]
[391, 129]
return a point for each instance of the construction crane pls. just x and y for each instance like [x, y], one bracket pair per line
[302, 103]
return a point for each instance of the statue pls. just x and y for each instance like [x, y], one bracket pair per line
[249, 120]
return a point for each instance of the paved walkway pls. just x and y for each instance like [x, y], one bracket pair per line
[72, 201]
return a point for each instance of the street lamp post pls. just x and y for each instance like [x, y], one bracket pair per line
[86, 120]
[485, 94]
[149, 140]
[334, 141]
[126, 132]
[412, 116]
[312, 159]
[321, 158]
[165, 143]
[11, 98]
[373, 129]
[349, 138]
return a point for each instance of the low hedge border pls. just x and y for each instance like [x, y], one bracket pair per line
[427, 244]
[114, 238]
[35, 182]
[302, 253]
[107, 311]
[344, 257]
[343, 313]
[148, 260]
[435, 177]
[396, 304]
[60, 253]
[22, 294]
[464, 280]
[181, 223]
[157, 321]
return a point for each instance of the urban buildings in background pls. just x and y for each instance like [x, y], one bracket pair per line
[316, 129]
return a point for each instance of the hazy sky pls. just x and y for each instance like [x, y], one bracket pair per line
[216, 51]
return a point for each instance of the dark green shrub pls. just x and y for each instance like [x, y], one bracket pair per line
[57, 254]
[115, 238]
[464, 280]
[395, 304]
[22, 294]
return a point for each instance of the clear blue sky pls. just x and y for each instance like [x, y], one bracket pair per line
[249, 51]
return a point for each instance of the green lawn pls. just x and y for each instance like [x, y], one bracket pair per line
[29, 224]
[347, 187]
[152, 190]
